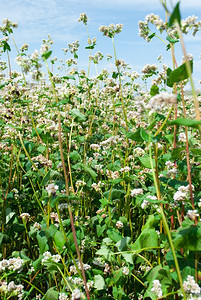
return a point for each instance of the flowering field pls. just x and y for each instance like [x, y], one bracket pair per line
[100, 182]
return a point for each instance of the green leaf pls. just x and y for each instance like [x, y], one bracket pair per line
[6, 46]
[147, 239]
[151, 221]
[188, 236]
[123, 243]
[74, 155]
[59, 240]
[89, 171]
[100, 229]
[185, 122]
[144, 135]
[179, 74]
[50, 231]
[46, 55]
[90, 47]
[114, 235]
[9, 215]
[135, 136]
[4, 238]
[116, 275]
[114, 194]
[42, 242]
[195, 151]
[171, 40]
[99, 282]
[77, 115]
[175, 16]
[169, 83]
[162, 273]
[186, 264]
[75, 55]
[106, 252]
[1, 238]
[150, 37]
[49, 175]
[51, 294]
[41, 148]
[37, 264]
[128, 257]
[154, 90]
[68, 77]
[145, 160]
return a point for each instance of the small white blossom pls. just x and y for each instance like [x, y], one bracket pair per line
[190, 286]
[136, 192]
[76, 294]
[119, 224]
[63, 296]
[156, 289]
[192, 214]
[125, 271]
[25, 216]
[51, 189]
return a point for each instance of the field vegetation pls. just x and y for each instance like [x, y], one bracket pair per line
[100, 182]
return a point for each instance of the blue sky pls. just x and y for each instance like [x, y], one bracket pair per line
[38, 18]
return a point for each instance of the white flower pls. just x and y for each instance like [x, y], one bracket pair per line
[136, 192]
[25, 216]
[157, 101]
[125, 271]
[190, 286]
[192, 214]
[169, 164]
[36, 226]
[156, 289]
[15, 264]
[51, 189]
[125, 169]
[119, 224]
[63, 296]
[83, 18]
[49, 257]
[76, 294]
[182, 193]
[182, 137]
[144, 204]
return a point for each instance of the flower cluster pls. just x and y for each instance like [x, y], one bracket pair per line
[83, 18]
[182, 194]
[48, 257]
[163, 99]
[156, 289]
[191, 287]
[11, 289]
[111, 30]
[12, 264]
[51, 189]
[136, 192]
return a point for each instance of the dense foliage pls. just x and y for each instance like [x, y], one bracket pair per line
[100, 183]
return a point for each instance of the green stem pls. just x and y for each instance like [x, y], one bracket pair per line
[167, 230]
[120, 85]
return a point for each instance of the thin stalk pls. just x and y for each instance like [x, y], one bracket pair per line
[167, 230]
[120, 85]
[89, 53]
[9, 65]
[142, 283]
[165, 121]
[188, 68]
[27, 154]
[187, 151]
[67, 185]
